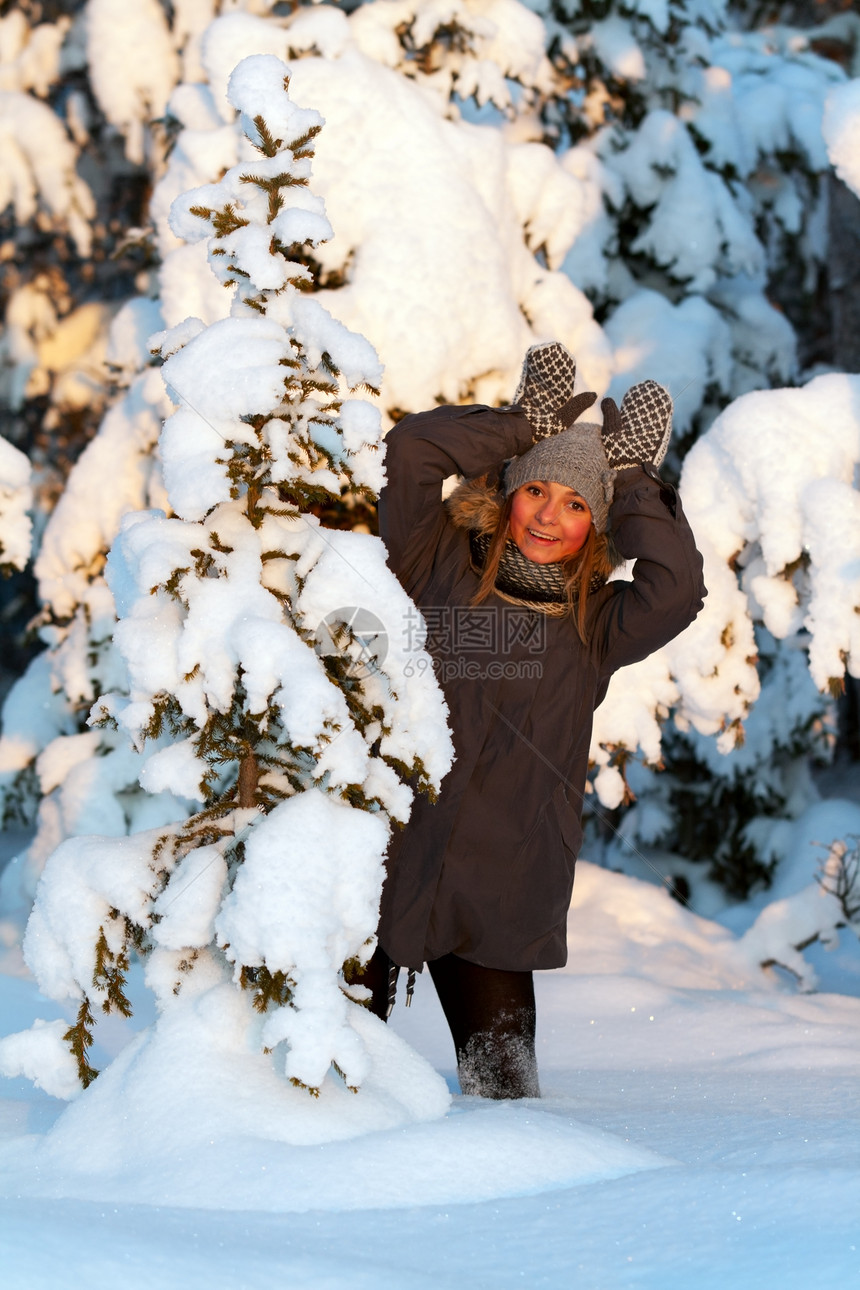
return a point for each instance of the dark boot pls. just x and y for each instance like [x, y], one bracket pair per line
[491, 1014]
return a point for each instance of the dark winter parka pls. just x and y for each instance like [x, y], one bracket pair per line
[487, 871]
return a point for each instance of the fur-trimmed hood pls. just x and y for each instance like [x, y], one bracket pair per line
[475, 505]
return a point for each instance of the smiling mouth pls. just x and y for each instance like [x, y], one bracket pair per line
[542, 537]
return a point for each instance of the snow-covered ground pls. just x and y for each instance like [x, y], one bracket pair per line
[699, 1127]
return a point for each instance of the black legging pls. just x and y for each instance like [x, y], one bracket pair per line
[491, 1015]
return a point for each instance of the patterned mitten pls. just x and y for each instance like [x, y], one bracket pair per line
[640, 432]
[545, 391]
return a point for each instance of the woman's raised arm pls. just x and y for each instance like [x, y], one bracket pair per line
[423, 450]
[649, 526]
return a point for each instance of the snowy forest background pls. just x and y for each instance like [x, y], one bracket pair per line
[197, 369]
[656, 184]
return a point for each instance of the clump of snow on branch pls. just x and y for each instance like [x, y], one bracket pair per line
[277, 913]
[690, 197]
[38, 168]
[497, 42]
[30, 57]
[86, 882]
[55, 355]
[771, 488]
[16, 498]
[133, 66]
[79, 530]
[841, 129]
[40, 1055]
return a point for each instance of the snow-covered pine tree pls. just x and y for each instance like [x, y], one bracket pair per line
[704, 136]
[296, 722]
[397, 253]
[59, 778]
[83, 90]
[109, 76]
[771, 492]
[68, 198]
[72, 200]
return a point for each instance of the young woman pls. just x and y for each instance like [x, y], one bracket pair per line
[525, 631]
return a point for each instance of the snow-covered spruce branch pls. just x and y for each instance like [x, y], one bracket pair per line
[785, 928]
[295, 727]
[840, 877]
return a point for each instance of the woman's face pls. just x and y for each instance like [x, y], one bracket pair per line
[549, 522]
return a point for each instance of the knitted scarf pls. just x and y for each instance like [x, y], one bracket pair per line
[522, 580]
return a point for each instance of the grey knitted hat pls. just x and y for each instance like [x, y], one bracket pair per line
[574, 458]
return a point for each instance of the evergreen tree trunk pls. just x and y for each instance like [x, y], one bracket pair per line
[248, 775]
